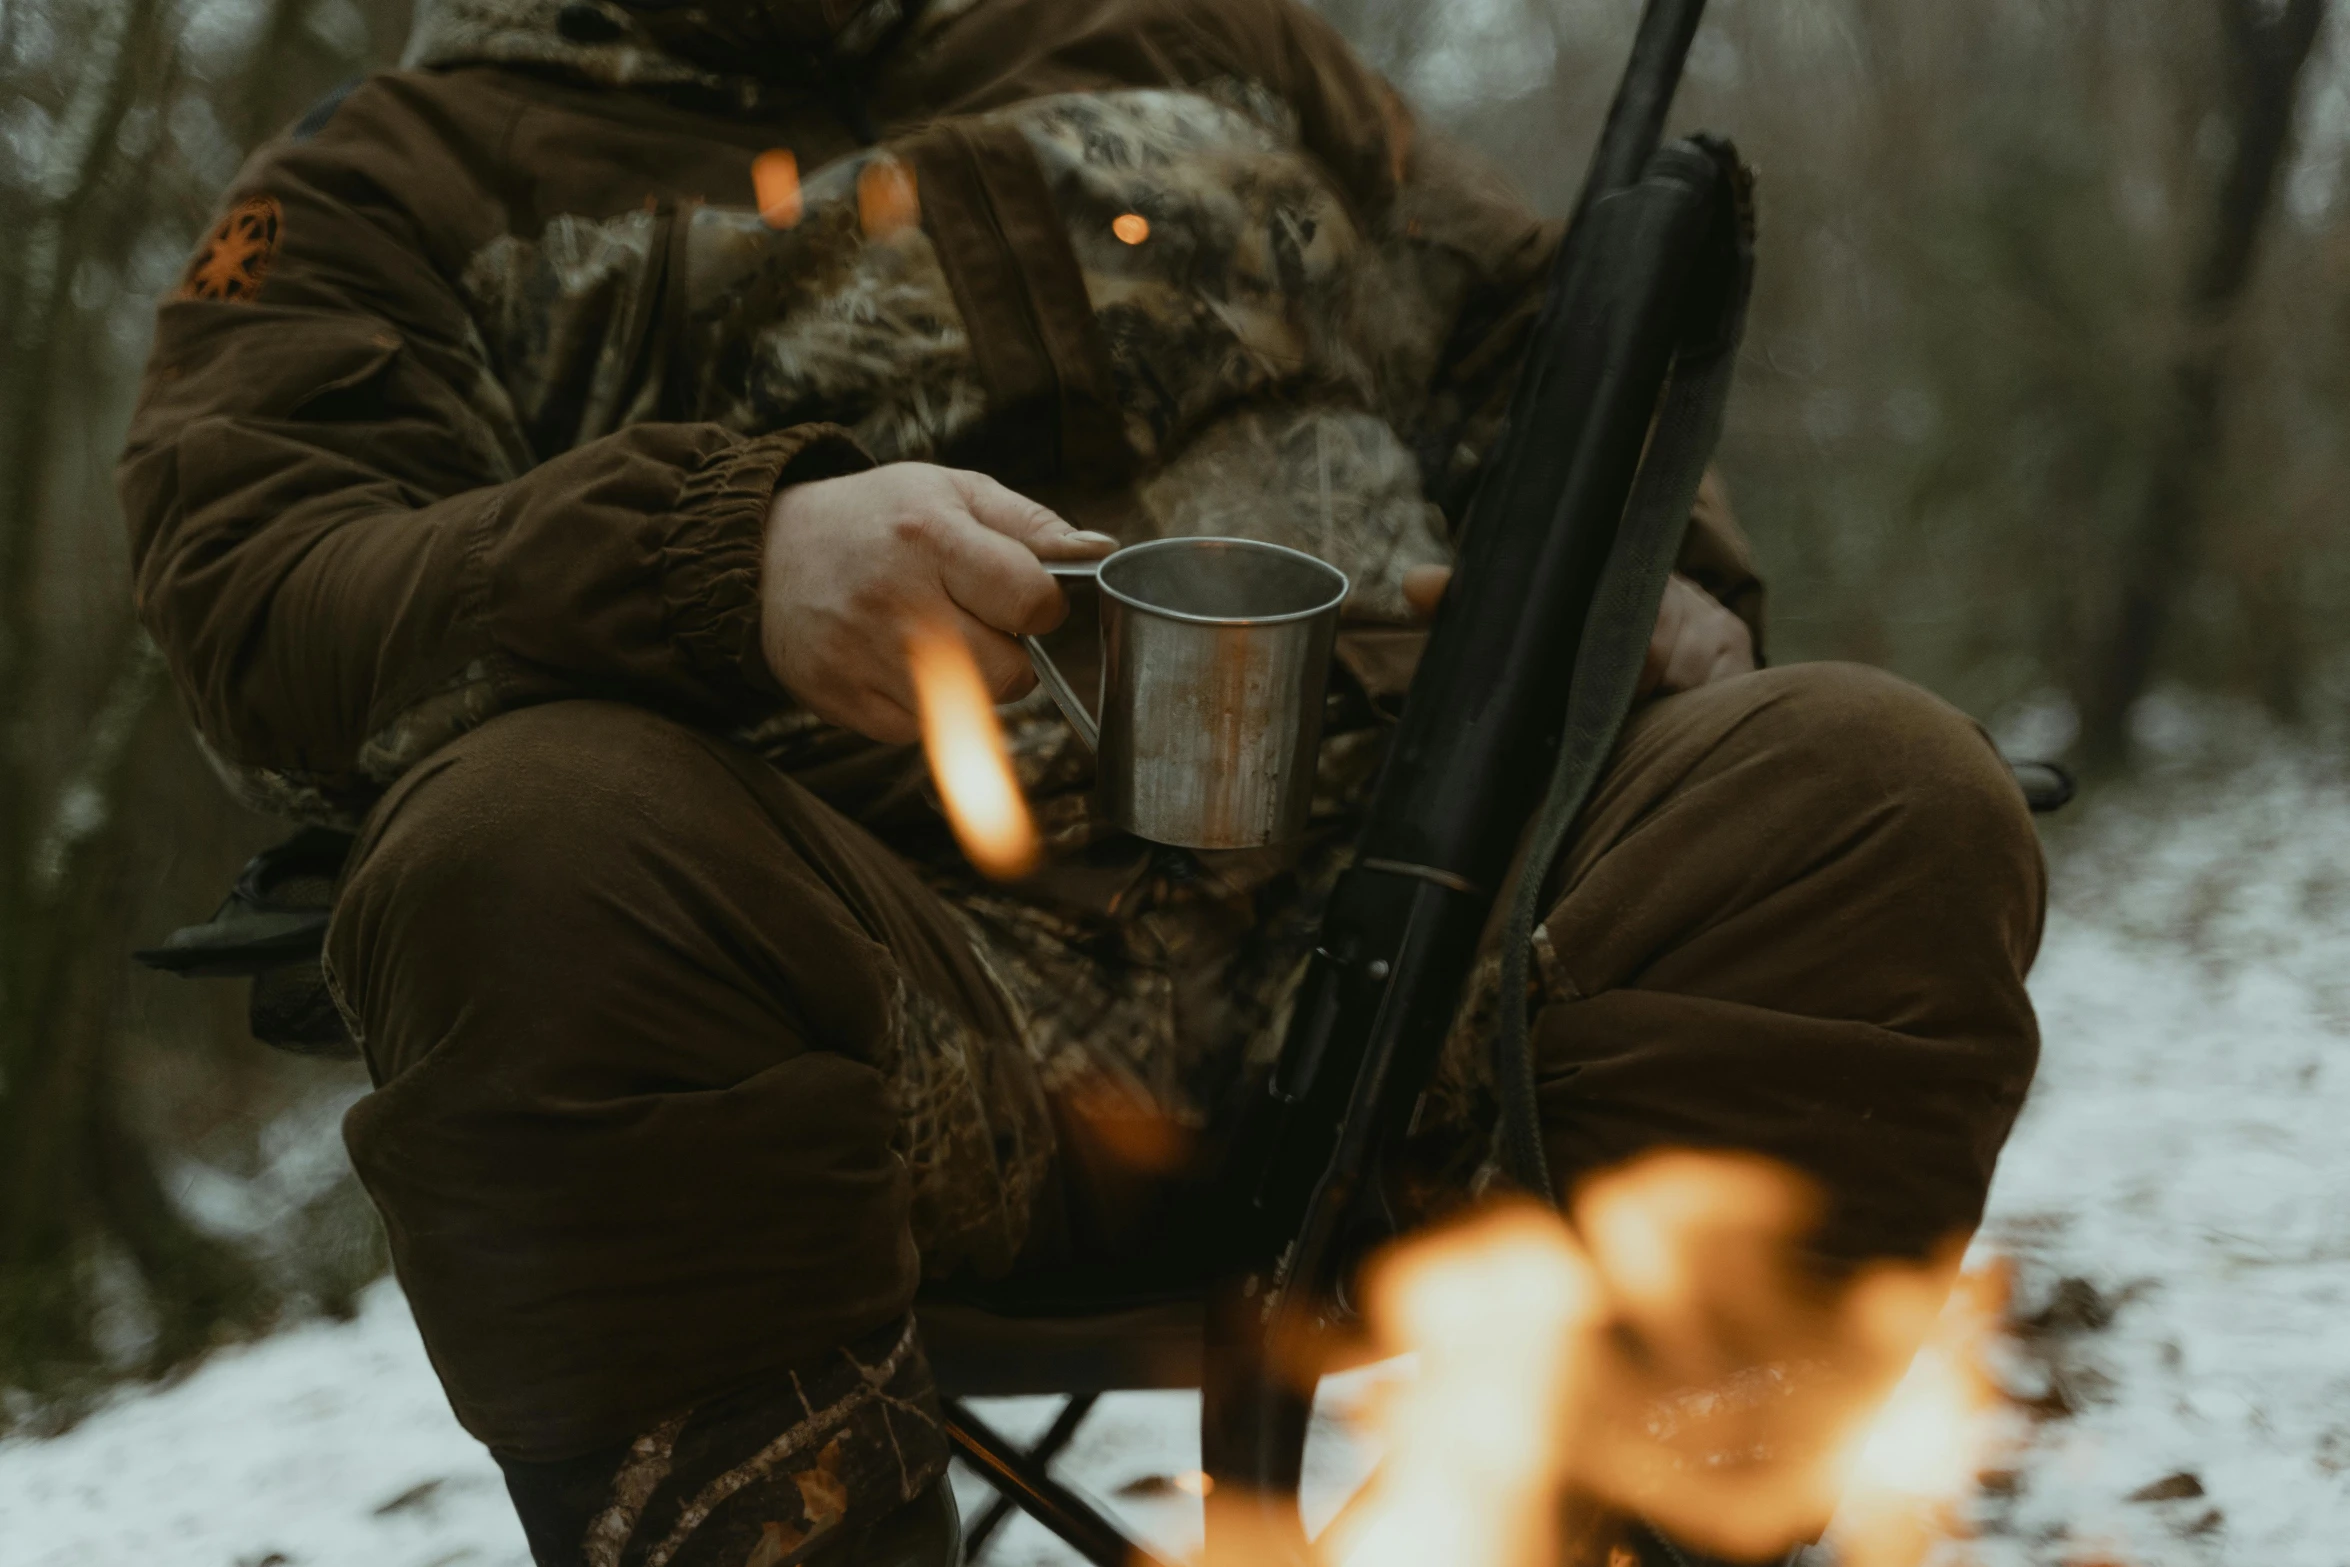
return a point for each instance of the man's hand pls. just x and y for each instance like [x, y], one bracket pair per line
[1696, 641]
[851, 564]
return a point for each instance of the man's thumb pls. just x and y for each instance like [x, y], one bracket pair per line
[1006, 511]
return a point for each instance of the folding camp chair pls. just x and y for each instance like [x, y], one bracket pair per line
[978, 1353]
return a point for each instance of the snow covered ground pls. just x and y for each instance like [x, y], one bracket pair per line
[2174, 1199]
[329, 1445]
[2177, 1194]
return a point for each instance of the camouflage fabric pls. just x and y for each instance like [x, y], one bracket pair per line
[1156, 1012]
[1147, 981]
[976, 1141]
[1268, 360]
[615, 48]
[531, 32]
[836, 317]
[760, 1478]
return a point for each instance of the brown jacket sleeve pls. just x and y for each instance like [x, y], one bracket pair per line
[341, 541]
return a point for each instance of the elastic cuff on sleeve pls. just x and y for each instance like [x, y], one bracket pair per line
[710, 557]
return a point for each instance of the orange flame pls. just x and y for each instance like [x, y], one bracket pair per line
[887, 201]
[775, 178]
[1927, 1447]
[1495, 1311]
[965, 747]
[1132, 227]
[1667, 1357]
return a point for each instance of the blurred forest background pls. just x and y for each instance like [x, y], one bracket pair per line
[2043, 405]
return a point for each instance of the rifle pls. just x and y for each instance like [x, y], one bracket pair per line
[1530, 669]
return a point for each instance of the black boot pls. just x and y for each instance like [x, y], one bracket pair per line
[840, 1460]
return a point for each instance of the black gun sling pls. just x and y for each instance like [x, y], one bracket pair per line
[1624, 608]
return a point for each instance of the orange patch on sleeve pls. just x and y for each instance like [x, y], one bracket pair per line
[237, 254]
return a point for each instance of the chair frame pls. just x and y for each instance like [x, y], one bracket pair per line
[1072, 1347]
[1023, 1479]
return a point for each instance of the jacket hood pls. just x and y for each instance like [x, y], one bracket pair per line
[726, 44]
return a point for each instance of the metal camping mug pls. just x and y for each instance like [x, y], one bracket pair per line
[1215, 655]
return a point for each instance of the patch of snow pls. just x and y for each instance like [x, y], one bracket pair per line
[2173, 1198]
[2182, 1161]
[328, 1445]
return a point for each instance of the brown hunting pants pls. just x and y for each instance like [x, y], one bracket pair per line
[637, 1005]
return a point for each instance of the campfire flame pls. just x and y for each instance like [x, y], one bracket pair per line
[1668, 1356]
[1941, 1429]
[1494, 1310]
[965, 748]
[775, 180]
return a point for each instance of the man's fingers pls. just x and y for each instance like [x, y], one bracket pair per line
[874, 713]
[1043, 530]
[1656, 665]
[1696, 642]
[1692, 664]
[882, 718]
[1423, 589]
[1003, 664]
[998, 581]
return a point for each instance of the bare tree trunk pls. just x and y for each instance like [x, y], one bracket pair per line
[73, 1169]
[75, 1176]
[2267, 53]
[111, 169]
[33, 314]
[79, 162]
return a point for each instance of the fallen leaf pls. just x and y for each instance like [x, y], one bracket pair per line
[2170, 1488]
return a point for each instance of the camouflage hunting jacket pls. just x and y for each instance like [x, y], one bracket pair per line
[478, 391]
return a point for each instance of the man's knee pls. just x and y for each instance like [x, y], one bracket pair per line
[1859, 739]
[1800, 928]
[1757, 836]
[629, 1139]
[1866, 769]
[568, 859]
[531, 810]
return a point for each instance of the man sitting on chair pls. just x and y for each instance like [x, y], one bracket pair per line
[538, 471]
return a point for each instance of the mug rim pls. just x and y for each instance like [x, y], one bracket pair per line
[1287, 617]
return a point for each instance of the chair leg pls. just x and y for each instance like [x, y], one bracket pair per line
[1057, 1436]
[1075, 1520]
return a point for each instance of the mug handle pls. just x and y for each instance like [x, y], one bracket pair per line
[1049, 674]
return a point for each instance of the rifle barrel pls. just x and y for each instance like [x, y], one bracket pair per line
[1635, 125]
[1467, 767]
